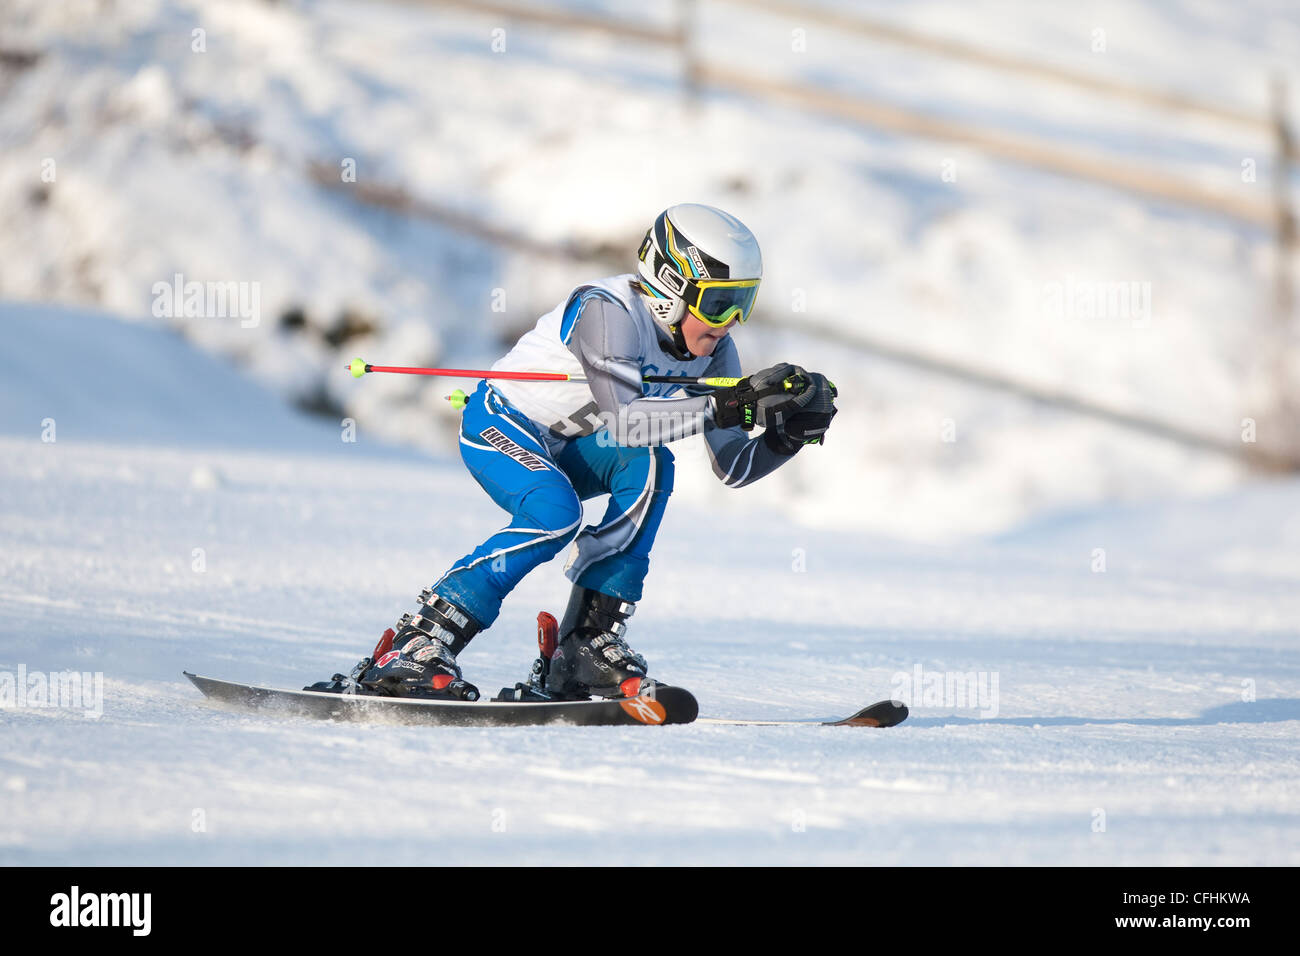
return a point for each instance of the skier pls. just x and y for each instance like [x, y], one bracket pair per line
[541, 448]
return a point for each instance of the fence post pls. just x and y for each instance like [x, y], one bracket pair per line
[1284, 331]
[691, 79]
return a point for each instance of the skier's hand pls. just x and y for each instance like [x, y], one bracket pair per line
[801, 392]
[740, 404]
[807, 419]
[819, 395]
[809, 428]
[771, 380]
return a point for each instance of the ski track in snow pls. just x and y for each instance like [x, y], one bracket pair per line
[1119, 692]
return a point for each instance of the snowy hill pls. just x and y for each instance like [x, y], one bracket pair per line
[97, 379]
[135, 151]
[183, 520]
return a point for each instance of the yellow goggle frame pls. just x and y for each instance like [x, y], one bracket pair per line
[706, 299]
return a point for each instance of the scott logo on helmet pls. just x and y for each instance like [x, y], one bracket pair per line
[694, 253]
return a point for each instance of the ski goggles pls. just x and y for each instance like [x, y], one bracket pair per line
[717, 302]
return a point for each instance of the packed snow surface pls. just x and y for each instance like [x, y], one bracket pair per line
[1136, 669]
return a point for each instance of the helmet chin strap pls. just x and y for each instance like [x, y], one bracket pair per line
[679, 342]
[677, 346]
[668, 313]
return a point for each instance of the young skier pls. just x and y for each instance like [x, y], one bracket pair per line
[541, 448]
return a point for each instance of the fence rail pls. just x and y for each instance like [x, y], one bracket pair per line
[560, 18]
[1273, 214]
[1069, 161]
[396, 199]
[978, 56]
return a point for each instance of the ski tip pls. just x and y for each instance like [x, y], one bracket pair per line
[885, 713]
[197, 681]
[685, 708]
[669, 705]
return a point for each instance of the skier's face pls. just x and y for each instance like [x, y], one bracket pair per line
[702, 339]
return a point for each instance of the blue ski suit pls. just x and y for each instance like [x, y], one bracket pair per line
[539, 449]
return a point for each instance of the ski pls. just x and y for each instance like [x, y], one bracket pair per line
[667, 705]
[884, 713]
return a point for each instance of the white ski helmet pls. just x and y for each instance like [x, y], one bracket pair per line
[698, 260]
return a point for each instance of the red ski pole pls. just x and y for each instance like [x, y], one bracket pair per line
[359, 367]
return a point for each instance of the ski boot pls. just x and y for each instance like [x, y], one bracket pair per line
[419, 658]
[590, 656]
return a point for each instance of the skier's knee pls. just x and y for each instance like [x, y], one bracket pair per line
[557, 511]
[664, 468]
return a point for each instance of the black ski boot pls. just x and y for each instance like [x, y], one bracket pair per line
[591, 656]
[419, 659]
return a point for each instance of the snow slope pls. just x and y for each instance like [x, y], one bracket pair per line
[1119, 692]
[168, 159]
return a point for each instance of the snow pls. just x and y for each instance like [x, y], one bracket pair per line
[176, 160]
[1124, 608]
[1161, 695]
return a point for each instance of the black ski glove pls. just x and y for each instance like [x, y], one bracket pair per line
[744, 403]
[807, 423]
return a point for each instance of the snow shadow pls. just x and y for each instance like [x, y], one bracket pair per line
[1267, 711]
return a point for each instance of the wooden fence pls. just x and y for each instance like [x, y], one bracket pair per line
[1271, 213]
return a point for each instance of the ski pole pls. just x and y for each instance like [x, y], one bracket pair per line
[359, 367]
